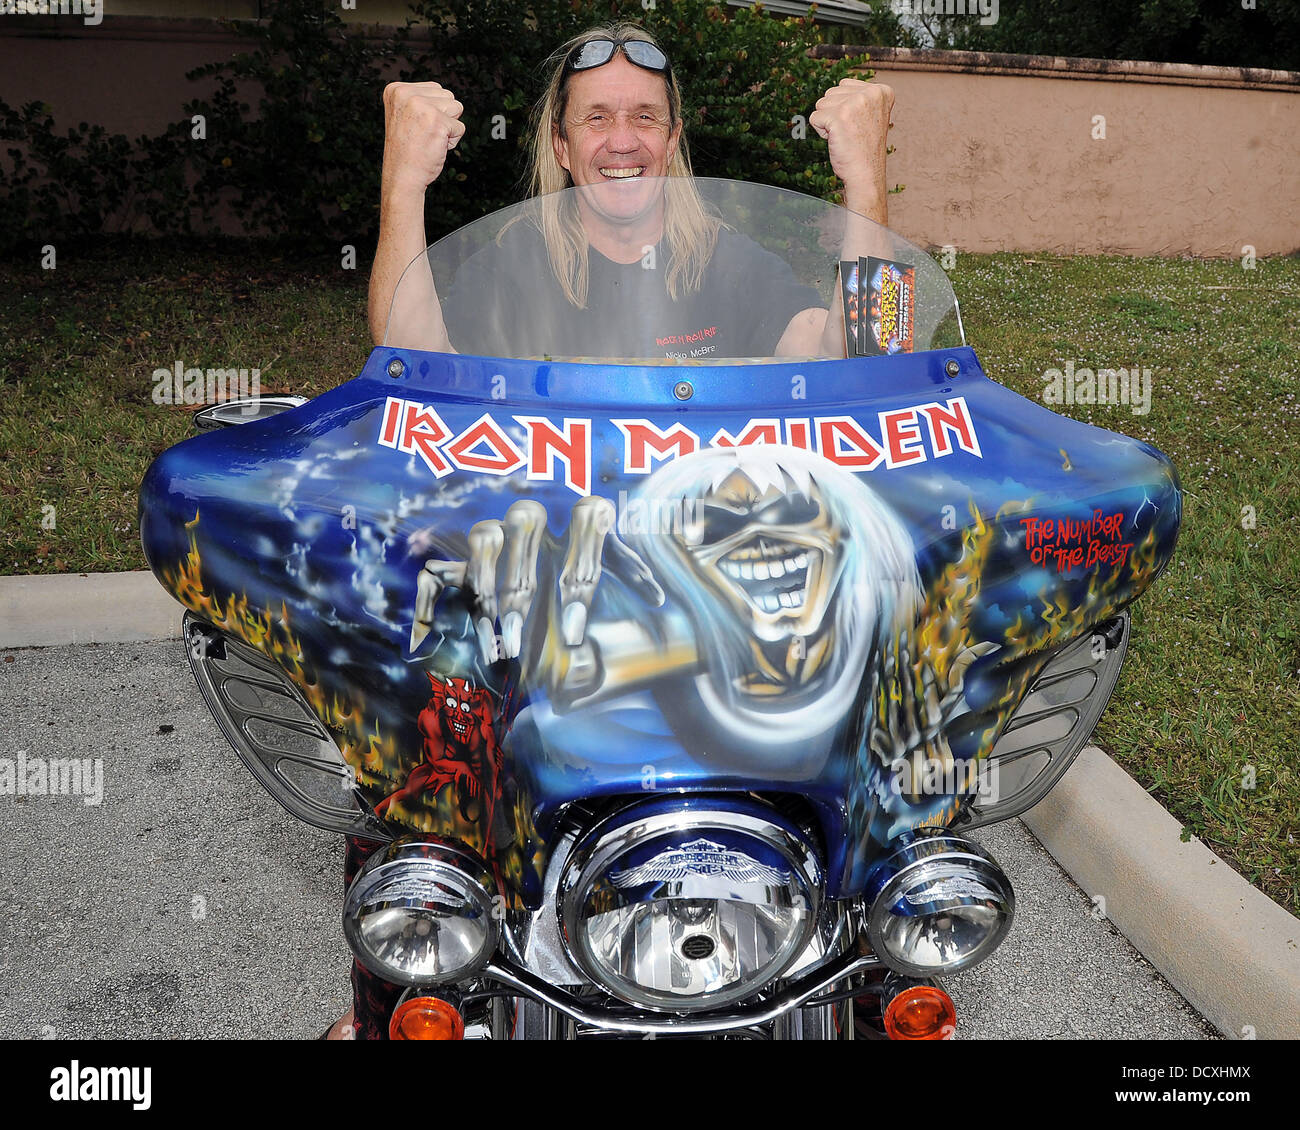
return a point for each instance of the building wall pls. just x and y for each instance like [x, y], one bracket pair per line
[396, 11]
[186, 9]
[997, 152]
[1005, 153]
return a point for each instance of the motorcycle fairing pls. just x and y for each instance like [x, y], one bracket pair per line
[834, 579]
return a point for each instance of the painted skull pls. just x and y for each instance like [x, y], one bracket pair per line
[791, 570]
[771, 552]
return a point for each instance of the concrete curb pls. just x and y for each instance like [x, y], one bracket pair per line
[1231, 951]
[54, 609]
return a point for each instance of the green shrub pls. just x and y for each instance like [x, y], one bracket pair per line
[293, 132]
[304, 160]
[60, 186]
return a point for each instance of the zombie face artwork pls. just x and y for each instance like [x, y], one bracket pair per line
[767, 553]
[790, 572]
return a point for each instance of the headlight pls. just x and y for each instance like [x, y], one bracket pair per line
[687, 904]
[420, 913]
[941, 905]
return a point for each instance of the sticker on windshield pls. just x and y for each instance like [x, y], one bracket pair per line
[849, 293]
[890, 322]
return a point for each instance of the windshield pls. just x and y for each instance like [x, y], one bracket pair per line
[674, 270]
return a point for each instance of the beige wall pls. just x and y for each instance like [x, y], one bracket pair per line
[1195, 160]
[128, 76]
[996, 151]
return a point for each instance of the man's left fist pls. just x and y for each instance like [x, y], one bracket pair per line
[853, 117]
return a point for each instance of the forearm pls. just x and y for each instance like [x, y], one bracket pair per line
[854, 119]
[870, 200]
[820, 333]
[861, 240]
[416, 322]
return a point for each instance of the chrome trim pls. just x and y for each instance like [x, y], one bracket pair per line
[746, 1015]
[534, 1020]
[276, 734]
[927, 852]
[247, 410]
[531, 941]
[838, 927]
[532, 938]
[822, 1022]
[591, 857]
[432, 861]
[1054, 720]
[838, 931]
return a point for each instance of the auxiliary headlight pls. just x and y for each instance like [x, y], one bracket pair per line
[941, 905]
[420, 913]
[687, 904]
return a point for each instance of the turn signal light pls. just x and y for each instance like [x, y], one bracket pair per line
[426, 1018]
[921, 1013]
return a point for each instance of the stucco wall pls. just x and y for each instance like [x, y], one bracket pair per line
[997, 152]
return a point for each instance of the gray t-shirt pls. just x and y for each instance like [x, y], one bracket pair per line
[506, 301]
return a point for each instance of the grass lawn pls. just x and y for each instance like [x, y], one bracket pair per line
[1207, 714]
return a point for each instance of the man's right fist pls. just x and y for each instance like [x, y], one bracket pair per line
[421, 125]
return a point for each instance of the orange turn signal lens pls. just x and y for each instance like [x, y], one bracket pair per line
[921, 1013]
[426, 1018]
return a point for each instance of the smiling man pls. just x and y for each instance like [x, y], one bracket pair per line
[610, 124]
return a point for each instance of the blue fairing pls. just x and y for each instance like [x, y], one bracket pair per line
[850, 554]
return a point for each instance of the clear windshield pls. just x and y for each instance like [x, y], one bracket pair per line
[674, 270]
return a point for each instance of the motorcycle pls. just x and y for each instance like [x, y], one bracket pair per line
[660, 693]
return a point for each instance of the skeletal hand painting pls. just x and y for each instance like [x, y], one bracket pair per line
[521, 534]
[773, 601]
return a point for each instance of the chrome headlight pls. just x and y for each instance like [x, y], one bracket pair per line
[687, 904]
[941, 904]
[420, 913]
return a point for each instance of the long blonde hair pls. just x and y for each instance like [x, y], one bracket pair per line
[690, 231]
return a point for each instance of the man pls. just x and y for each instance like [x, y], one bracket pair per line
[611, 114]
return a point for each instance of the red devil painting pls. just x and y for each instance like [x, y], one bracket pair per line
[459, 746]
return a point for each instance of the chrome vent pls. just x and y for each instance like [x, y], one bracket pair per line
[230, 413]
[1052, 723]
[275, 733]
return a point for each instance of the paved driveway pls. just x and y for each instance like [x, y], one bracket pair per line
[189, 904]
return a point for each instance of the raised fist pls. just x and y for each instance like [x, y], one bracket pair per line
[421, 126]
[853, 118]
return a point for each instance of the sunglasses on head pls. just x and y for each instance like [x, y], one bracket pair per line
[598, 52]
